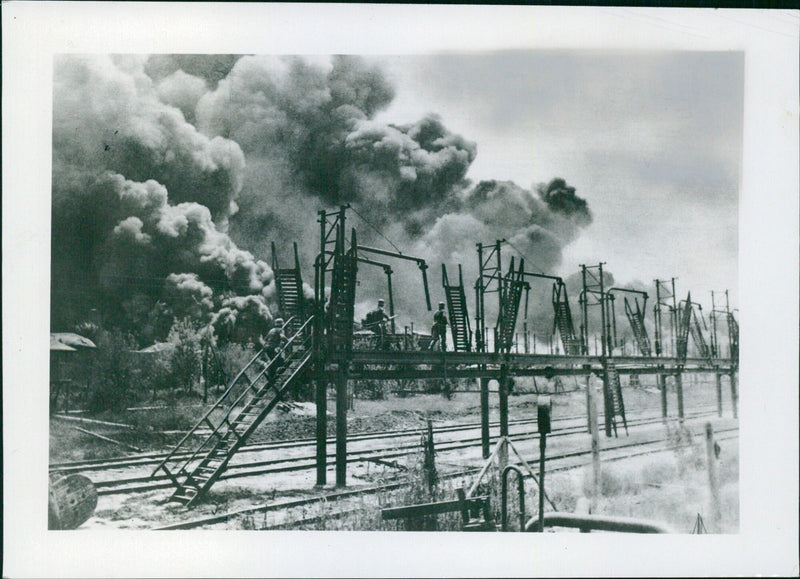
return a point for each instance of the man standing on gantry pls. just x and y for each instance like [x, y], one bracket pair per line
[376, 321]
[439, 329]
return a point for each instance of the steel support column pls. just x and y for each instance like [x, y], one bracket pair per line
[321, 399]
[503, 399]
[503, 404]
[608, 404]
[588, 370]
[679, 390]
[484, 382]
[719, 392]
[341, 425]
[662, 384]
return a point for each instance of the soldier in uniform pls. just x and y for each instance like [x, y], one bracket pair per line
[376, 321]
[276, 339]
[439, 329]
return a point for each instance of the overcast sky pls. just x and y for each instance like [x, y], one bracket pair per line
[652, 140]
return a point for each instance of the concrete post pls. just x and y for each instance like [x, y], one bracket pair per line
[591, 394]
[662, 382]
[713, 489]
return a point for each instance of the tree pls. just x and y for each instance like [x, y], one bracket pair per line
[186, 360]
[115, 376]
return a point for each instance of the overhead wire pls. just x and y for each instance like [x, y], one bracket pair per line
[524, 257]
[378, 231]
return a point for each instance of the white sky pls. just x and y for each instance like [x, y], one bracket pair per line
[768, 263]
[653, 141]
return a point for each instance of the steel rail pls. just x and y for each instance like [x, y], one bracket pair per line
[343, 495]
[142, 459]
[301, 463]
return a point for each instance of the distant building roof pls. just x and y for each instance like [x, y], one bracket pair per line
[71, 339]
[56, 346]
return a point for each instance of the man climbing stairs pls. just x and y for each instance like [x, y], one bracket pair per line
[252, 395]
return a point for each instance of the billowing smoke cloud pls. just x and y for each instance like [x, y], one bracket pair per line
[183, 91]
[107, 116]
[534, 230]
[139, 196]
[212, 68]
[158, 160]
[305, 127]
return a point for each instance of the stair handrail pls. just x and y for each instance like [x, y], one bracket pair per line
[233, 405]
[241, 396]
[636, 320]
[462, 303]
[224, 395]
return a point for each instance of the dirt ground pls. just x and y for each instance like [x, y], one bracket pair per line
[149, 431]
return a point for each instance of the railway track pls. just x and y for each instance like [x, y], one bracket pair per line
[153, 458]
[556, 463]
[142, 481]
[140, 459]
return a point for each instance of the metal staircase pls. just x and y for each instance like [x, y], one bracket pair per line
[510, 294]
[636, 319]
[733, 337]
[563, 320]
[684, 325]
[289, 284]
[457, 310]
[254, 392]
[699, 340]
[343, 293]
[616, 404]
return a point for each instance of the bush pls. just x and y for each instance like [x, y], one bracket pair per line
[155, 373]
[115, 373]
[233, 357]
[370, 389]
[172, 418]
[186, 360]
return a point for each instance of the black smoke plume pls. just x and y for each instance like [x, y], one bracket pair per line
[172, 175]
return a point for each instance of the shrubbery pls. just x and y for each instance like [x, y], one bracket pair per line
[113, 383]
[190, 364]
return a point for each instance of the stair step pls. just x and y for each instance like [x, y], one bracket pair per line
[181, 499]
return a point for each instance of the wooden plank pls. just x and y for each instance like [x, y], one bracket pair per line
[391, 463]
[425, 509]
[107, 439]
[486, 466]
[93, 421]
